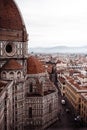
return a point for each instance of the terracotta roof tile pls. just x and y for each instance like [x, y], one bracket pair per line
[10, 17]
[76, 84]
[34, 66]
[12, 65]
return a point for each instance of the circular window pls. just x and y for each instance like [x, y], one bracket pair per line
[8, 48]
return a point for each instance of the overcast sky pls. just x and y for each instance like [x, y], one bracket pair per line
[55, 22]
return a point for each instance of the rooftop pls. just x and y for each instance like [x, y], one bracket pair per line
[12, 65]
[76, 85]
[34, 66]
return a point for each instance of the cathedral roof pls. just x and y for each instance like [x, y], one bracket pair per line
[10, 17]
[12, 65]
[34, 66]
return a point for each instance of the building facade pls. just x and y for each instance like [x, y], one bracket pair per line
[28, 99]
[83, 111]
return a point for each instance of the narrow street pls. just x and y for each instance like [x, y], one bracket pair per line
[66, 119]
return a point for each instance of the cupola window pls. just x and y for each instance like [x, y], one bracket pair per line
[11, 75]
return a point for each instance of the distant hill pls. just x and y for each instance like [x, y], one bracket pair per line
[59, 49]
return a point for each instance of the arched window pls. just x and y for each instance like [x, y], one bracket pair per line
[19, 74]
[31, 88]
[30, 112]
[11, 75]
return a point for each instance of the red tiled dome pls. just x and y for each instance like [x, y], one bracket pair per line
[34, 66]
[10, 16]
[12, 65]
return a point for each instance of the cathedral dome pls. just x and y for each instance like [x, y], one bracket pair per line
[11, 22]
[9, 15]
[34, 66]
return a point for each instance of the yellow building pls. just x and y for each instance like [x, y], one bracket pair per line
[83, 110]
[73, 91]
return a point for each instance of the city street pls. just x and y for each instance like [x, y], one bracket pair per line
[66, 119]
